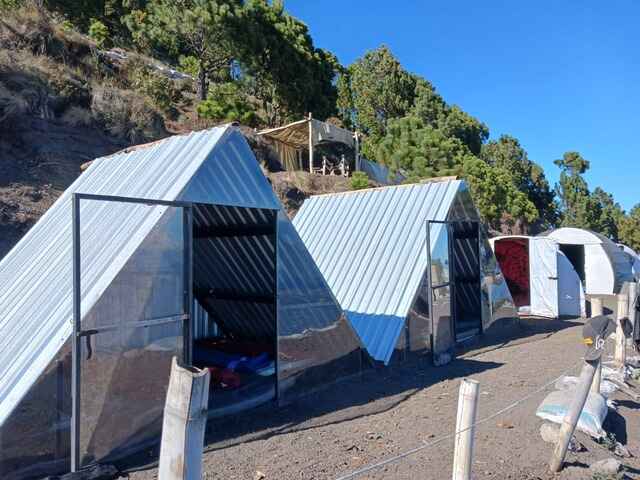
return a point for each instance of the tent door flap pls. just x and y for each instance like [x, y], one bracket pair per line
[543, 267]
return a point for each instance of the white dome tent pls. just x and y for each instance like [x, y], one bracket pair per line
[541, 278]
[602, 266]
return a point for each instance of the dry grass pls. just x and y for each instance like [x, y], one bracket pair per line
[77, 117]
[126, 114]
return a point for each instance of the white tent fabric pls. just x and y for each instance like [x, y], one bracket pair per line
[555, 287]
[606, 267]
[543, 272]
[571, 301]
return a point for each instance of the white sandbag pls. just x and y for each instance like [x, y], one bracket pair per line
[568, 382]
[555, 406]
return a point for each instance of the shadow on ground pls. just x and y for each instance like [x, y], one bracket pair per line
[375, 391]
[511, 332]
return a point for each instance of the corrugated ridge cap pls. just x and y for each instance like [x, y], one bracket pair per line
[388, 187]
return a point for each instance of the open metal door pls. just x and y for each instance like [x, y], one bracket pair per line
[123, 346]
[441, 291]
[543, 268]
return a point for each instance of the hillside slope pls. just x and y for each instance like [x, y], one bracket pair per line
[63, 102]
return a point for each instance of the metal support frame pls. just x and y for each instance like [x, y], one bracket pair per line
[75, 352]
[276, 361]
[78, 333]
[452, 273]
[187, 328]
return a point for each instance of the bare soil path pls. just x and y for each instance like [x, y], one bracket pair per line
[392, 410]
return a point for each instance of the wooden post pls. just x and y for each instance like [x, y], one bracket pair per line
[357, 151]
[310, 143]
[621, 341]
[596, 306]
[463, 447]
[185, 418]
[597, 379]
[571, 418]
[631, 309]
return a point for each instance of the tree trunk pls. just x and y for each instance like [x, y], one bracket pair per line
[202, 84]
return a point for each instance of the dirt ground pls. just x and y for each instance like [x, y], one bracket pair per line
[389, 411]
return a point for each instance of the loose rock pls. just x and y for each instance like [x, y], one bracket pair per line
[610, 466]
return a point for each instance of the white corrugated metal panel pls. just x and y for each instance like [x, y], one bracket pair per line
[371, 247]
[36, 275]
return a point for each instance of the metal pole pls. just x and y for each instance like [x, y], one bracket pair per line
[75, 351]
[621, 341]
[187, 330]
[465, 420]
[276, 361]
[571, 418]
[596, 306]
[310, 143]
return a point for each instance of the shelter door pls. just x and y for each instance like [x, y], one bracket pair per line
[441, 289]
[124, 345]
[543, 267]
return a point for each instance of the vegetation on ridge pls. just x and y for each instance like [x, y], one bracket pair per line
[251, 61]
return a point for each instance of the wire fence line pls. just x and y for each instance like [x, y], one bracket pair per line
[425, 445]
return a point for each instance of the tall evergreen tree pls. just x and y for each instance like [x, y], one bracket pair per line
[528, 177]
[578, 209]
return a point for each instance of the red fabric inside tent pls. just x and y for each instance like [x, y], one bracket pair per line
[513, 257]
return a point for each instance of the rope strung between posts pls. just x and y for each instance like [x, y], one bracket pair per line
[408, 453]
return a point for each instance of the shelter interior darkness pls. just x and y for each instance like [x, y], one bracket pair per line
[465, 245]
[234, 276]
[575, 254]
[513, 256]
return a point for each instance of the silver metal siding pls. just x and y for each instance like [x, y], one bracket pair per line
[371, 248]
[35, 277]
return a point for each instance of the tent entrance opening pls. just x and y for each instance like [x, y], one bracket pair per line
[575, 254]
[454, 267]
[465, 243]
[234, 285]
[513, 257]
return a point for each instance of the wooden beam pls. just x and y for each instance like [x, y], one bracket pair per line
[234, 231]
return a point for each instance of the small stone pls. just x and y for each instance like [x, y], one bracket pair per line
[549, 432]
[621, 451]
[610, 466]
[575, 446]
[259, 475]
[507, 425]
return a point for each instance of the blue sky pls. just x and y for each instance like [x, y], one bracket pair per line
[557, 75]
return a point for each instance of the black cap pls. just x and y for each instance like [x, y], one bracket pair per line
[596, 331]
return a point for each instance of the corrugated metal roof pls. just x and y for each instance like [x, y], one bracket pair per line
[371, 247]
[36, 275]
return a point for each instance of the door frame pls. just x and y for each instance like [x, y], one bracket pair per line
[449, 284]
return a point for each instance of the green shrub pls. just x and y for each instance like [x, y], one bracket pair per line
[189, 65]
[359, 180]
[161, 90]
[67, 26]
[9, 4]
[226, 102]
[98, 32]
